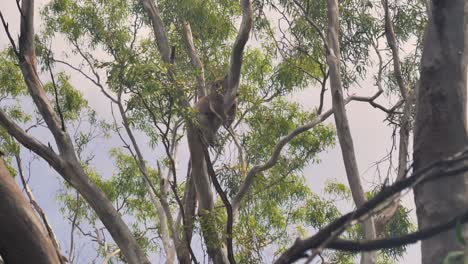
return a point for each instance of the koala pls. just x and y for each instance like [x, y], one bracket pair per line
[211, 112]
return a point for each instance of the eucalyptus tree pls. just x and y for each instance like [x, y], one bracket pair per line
[441, 123]
[152, 61]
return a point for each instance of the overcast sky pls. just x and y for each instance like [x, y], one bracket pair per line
[372, 141]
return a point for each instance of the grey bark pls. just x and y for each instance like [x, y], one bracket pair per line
[164, 213]
[194, 58]
[342, 126]
[201, 180]
[35, 205]
[440, 126]
[405, 125]
[66, 163]
[215, 247]
[23, 238]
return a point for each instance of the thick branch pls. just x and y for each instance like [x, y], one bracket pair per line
[225, 199]
[237, 53]
[159, 30]
[68, 165]
[342, 124]
[28, 141]
[194, 59]
[27, 61]
[23, 239]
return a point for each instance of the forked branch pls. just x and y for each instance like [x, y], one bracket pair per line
[237, 53]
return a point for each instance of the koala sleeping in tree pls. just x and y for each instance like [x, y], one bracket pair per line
[211, 112]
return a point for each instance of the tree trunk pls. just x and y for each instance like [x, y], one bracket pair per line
[23, 238]
[342, 125]
[440, 126]
[214, 244]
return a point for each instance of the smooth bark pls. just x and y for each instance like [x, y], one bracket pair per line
[194, 59]
[201, 180]
[23, 238]
[342, 124]
[66, 162]
[407, 99]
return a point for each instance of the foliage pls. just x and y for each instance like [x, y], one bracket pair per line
[111, 50]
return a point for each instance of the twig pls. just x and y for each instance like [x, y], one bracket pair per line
[7, 30]
[38, 209]
[59, 109]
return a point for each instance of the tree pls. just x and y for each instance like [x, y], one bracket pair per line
[23, 241]
[152, 61]
[440, 126]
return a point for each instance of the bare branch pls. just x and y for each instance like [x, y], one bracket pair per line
[7, 30]
[275, 156]
[237, 53]
[447, 167]
[378, 244]
[19, 7]
[28, 141]
[405, 124]
[59, 109]
[95, 82]
[392, 43]
[39, 210]
[194, 59]
[159, 30]
[110, 256]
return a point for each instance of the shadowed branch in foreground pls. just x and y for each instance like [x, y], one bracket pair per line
[435, 171]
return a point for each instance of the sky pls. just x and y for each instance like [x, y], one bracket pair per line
[372, 141]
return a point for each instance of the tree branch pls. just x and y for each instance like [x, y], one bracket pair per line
[436, 170]
[275, 156]
[59, 109]
[68, 164]
[28, 141]
[237, 54]
[194, 59]
[23, 237]
[39, 210]
[342, 124]
[225, 199]
[159, 30]
[378, 244]
[313, 24]
[7, 30]
[392, 43]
